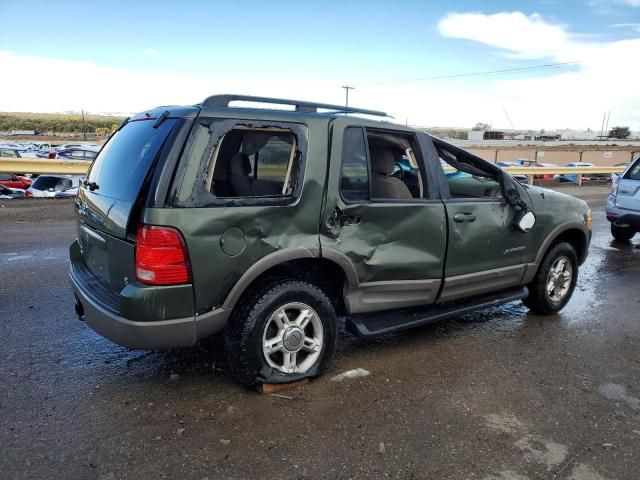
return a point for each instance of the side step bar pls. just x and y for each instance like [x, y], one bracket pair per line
[370, 325]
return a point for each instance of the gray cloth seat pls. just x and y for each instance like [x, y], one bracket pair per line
[240, 175]
[383, 185]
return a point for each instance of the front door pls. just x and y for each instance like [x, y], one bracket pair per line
[381, 221]
[485, 252]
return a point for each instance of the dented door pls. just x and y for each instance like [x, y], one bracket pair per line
[396, 248]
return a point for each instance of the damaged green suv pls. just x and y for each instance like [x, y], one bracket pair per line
[269, 224]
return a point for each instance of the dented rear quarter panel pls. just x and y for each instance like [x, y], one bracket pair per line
[256, 230]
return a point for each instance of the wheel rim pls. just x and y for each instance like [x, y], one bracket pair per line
[292, 339]
[559, 279]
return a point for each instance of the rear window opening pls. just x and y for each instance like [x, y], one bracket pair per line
[254, 163]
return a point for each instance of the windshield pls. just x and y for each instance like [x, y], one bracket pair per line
[123, 163]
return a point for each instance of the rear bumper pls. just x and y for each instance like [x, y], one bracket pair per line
[150, 335]
[622, 217]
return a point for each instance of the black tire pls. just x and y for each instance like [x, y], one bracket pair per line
[539, 300]
[624, 234]
[244, 332]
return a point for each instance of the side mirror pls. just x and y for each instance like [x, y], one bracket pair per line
[525, 220]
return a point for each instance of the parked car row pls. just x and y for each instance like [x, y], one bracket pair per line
[71, 151]
[562, 178]
[44, 186]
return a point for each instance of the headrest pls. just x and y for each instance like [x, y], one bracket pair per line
[240, 164]
[382, 161]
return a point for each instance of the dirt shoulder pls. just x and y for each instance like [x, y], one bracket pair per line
[44, 210]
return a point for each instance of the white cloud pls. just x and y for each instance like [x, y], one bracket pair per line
[606, 76]
[605, 79]
[73, 85]
[632, 3]
[151, 52]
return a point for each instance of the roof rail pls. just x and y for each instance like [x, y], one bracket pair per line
[301, 106]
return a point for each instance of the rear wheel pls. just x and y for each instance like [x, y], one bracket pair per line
[281, 333]
[555, 280]
[623, 234]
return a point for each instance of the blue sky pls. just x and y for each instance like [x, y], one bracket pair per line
[310, 49]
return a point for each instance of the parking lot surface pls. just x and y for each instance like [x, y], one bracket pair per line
[499, 394]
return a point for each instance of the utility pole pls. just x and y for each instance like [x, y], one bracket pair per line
[346, 91]
[604, 120]
[84, 130]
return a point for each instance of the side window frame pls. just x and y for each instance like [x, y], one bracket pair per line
[199, 196]
[363, 135]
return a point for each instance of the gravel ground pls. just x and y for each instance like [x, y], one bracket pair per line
[499, 394]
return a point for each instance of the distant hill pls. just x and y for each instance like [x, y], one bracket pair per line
[56, 122]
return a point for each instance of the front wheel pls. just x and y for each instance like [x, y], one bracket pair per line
[283, 333]
[555, 280]
[624, 234]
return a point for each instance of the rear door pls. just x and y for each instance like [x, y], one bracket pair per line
[392, 240]
[107, 197]
[628, 196]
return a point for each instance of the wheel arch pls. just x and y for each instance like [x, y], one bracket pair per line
[575, 233]
[577, 238]
[299, 263]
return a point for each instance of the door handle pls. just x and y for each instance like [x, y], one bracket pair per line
[464, 217]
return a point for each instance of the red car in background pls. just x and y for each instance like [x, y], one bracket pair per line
[15, 181]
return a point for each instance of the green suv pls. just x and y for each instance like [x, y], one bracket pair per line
[270, 224]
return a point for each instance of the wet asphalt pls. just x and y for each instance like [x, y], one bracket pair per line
[499, 394]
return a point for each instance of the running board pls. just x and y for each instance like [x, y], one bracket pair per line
[368, 325]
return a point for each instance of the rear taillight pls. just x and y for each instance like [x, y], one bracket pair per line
[161, 256]
[615, 185]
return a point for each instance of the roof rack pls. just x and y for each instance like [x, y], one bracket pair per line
[301, 106]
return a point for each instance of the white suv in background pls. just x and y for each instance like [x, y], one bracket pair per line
[623, 204]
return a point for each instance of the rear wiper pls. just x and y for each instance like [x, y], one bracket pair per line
[161, 119]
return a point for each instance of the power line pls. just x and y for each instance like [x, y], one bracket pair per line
[478, 74]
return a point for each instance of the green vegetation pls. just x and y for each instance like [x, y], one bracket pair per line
[54, 122]
[619, 132]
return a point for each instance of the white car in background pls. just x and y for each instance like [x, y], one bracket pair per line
[8, 193]
[83, 145]
[47, 186]
[14, 146]
[8, 151]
